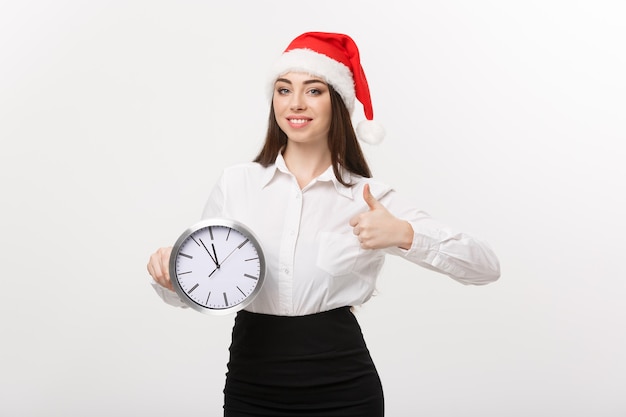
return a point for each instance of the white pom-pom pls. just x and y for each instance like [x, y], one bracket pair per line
[370, 132]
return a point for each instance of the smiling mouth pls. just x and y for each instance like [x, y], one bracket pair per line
[298, 121]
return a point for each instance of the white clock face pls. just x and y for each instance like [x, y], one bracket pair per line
[218, 267]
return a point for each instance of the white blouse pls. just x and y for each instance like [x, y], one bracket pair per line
[314, 261]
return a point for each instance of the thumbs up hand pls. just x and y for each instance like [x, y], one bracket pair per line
[377, 228]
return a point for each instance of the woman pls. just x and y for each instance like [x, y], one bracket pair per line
[326, 227]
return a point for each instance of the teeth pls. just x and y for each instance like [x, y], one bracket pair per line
[299, 121]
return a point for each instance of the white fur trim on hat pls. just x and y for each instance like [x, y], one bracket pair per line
[370, 131]
[333, 72]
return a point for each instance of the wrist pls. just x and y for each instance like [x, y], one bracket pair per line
[407, 235]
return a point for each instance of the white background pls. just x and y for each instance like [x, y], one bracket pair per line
[505, 119]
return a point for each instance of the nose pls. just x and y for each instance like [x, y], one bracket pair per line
[297, 103]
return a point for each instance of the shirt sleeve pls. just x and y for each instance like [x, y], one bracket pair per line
[214, 206]
[168, 296]
[438, 247]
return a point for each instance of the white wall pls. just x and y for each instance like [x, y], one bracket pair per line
[505, 119]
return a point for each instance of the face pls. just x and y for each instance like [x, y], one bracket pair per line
[302, 107]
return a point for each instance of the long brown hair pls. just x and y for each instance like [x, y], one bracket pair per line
[345, 149]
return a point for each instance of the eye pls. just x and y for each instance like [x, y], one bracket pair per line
[315, 91]
[282, 90]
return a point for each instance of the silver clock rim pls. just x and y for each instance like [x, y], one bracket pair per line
[216, 221]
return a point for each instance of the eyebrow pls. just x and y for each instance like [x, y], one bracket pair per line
[311, 81]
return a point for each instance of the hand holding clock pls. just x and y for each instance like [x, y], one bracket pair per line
[158, 267]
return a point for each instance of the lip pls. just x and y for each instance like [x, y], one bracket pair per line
[298, 122]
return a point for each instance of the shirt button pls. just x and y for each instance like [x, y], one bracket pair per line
[286, 271]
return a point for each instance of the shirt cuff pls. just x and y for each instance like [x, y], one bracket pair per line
[168, 296]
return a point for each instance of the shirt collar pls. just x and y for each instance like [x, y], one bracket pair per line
[270, 171]
[328, 175]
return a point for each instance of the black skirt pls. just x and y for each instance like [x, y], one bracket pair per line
[314, 365]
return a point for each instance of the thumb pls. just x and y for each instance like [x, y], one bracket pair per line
[370, 199]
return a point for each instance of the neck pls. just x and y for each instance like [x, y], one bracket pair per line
[306, 162]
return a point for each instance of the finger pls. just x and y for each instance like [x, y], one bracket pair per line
[150, 270]
[354, 221]
[165, 263]
[153, 266]
[371, 201]
[158, 267]
[157, 271]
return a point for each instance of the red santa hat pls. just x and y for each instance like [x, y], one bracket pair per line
[334, 57]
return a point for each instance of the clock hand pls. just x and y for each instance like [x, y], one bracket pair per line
[238, 247]
[215, 253]
[207, 251]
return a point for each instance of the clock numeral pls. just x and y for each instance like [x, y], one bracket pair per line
[185, 255]
[186, 272]
[211, 232]
[250, 276]
[225, 299]
[243, 243]
[228, 235]
[207, 298]
[252, 259]
[193, 288]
